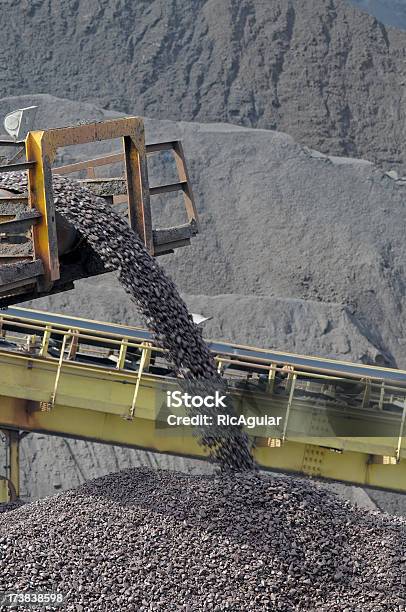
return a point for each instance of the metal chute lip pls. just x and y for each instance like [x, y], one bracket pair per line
[19, 122]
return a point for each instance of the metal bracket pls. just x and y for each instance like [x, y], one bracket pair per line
[144, 365]
[74, 345]
[289, 406]
[122, 354]
[271, 378]
[19, 122]
[367, 393]
[401, 432]
[313, 460]
[11, 490]
[381, 396]
[129, 190]
[58, 372]
[220, 365]
[45, 341]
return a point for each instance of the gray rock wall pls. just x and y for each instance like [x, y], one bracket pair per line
[320, 70]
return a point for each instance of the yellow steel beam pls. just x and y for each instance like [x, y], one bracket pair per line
[10, 481]
[139, 206]
[350, 467]
[112, 391]
[144, 365]
[294, 457]
[14, 453]
[141, 432]
[92, 132]
[122, 355]
[90, 388]
[42, 199]
[91, 402]
[4, 490]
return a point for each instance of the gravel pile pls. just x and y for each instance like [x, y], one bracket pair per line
[157, 540]
[119, 248]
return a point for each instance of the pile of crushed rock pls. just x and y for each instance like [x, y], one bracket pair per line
[147, 540]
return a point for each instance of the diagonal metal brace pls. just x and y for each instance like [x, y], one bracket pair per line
[144, 365]
[289, 406]
[401, 432]
[367, 393]
[271, 378]
[122, 354]
[58, 372]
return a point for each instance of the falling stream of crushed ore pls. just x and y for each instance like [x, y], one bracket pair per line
[119, 248]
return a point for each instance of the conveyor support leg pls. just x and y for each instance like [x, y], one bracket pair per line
[10, 483]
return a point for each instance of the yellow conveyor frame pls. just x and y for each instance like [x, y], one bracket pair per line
[114, 405]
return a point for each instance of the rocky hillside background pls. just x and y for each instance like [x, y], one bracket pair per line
[322, 71]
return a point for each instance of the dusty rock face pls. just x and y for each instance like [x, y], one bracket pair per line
[154, 540]
[321, 70]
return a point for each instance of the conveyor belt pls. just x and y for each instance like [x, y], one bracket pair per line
[235, 351]
[104, 382]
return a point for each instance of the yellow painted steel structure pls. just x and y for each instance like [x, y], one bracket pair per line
[69, 382]
[44, 234]
[41, 148]
[55, 261]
